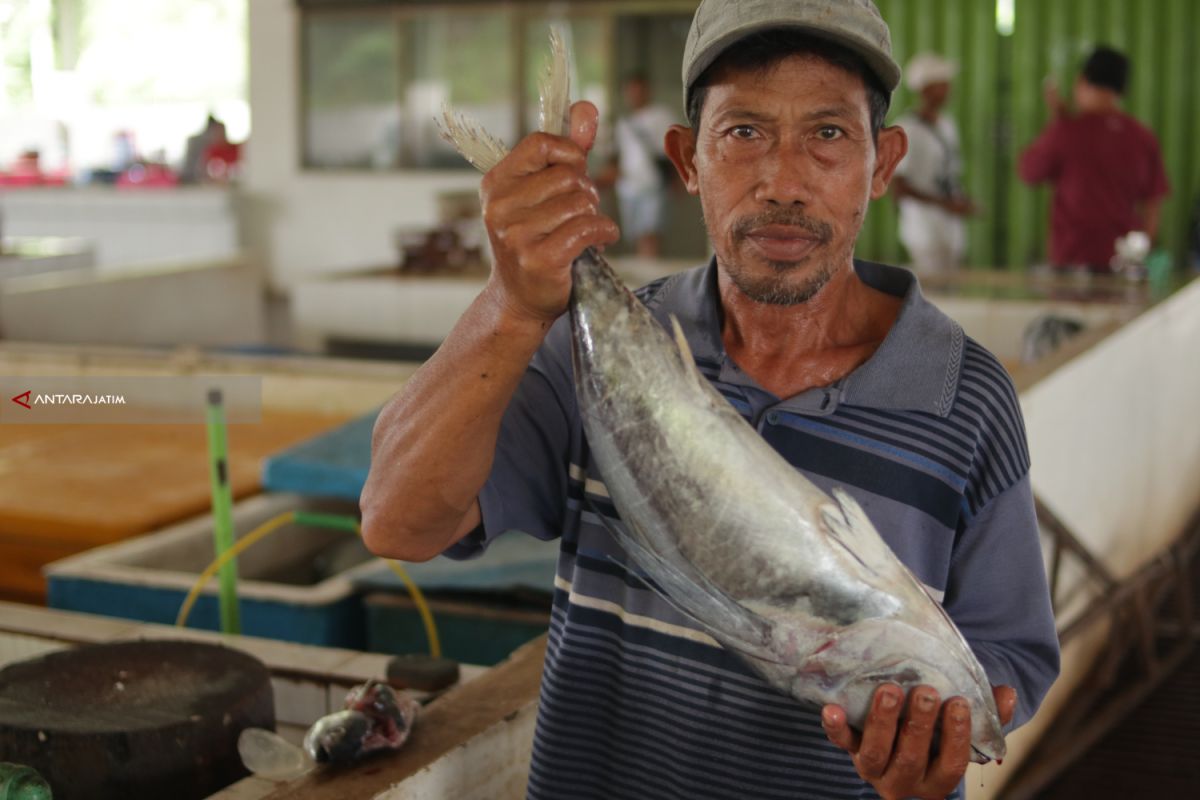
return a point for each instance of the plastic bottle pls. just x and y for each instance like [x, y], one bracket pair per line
[19, 782]
[1158, 268]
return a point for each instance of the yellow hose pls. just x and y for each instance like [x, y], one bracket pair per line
[274, 524]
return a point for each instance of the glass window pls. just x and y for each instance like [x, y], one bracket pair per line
[374, 83]
[376, 79]
[351, 85]
[465, 61]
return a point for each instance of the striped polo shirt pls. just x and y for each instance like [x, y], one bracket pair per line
[636, 700]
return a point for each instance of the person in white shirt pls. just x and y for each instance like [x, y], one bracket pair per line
[643, 172]
[928, 182]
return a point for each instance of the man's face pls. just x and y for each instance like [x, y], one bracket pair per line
[785, 166]
[637, 94]
[936, 93]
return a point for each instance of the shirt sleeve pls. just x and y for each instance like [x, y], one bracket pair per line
[998, 597]
[526, 488]
[1042, 160]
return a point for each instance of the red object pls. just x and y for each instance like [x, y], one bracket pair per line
[220, 158]
[1102, 165]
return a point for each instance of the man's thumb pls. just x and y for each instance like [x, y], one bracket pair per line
[585, 118]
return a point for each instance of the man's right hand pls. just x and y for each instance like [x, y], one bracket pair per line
[434, 442]
[1054, 101]
[541, 211]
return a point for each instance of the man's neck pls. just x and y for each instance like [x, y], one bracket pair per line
[789, 349]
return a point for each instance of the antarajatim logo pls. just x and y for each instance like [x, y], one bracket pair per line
[23, 399]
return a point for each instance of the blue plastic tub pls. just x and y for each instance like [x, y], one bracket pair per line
[297, 585]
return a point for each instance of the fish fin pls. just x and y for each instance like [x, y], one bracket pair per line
[695, 596]
[685, 349]
[637, 553]
[685, 355]
[852, 529]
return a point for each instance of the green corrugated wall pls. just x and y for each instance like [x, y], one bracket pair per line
[997, 102]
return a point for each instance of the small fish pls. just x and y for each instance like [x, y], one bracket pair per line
[799, 584]
[375, 718]
[1045, 334]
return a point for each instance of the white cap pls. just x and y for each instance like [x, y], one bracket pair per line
[928, 68]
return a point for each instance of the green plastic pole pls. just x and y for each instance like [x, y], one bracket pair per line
[222, 507]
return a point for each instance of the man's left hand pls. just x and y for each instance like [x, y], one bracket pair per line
[893, 751]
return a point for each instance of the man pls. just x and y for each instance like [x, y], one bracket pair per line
[192, 169]
[637, 171]
[1105, 166]
[842, 366]
[928, 182]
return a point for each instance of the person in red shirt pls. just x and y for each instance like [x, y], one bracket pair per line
[1106, 168]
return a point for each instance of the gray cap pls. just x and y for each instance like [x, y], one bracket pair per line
[854, 24]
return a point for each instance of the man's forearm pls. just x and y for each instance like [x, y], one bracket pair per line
[903, 188]
[434, 441]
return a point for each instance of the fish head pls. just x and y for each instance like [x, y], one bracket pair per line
[374, 698]
[375, 718]
[338, 738]
[391, 715]
[987, 735]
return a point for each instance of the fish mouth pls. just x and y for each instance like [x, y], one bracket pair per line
[384, 733]
[979, 757]
[389, 722]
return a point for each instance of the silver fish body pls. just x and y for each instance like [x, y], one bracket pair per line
[796, 582]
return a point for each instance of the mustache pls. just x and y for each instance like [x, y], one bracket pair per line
[792, 217]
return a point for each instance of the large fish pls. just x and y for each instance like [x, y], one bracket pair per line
[798, 583]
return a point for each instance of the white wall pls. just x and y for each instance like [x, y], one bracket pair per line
[130, 228]
[1116, 455]
[1113, 435]
[312, 223]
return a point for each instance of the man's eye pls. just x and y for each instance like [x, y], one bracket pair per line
[830, 133]
[742, 132]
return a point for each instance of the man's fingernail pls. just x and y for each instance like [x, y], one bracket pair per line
[827, 718]
[887, 701]
[925, 702]
[959, 713]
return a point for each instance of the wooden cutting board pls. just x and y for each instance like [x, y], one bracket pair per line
[68, 488]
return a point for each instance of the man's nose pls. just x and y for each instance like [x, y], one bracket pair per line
[786, 174]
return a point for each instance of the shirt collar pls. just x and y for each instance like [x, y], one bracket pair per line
[916, 368]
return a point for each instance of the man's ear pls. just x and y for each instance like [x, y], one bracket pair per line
[681, 149]
[889, 150]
